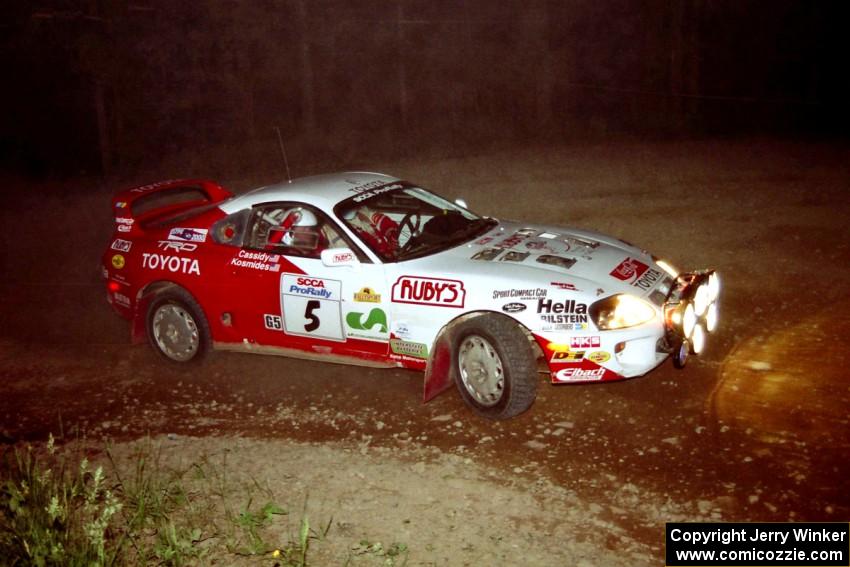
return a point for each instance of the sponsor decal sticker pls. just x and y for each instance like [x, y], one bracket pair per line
[579, 375]
[171, 264]
[599, 356]
[513, 307]
[118, 261]
[177, 246]
[483, 241]
[512, 240]
[636, 273]
[567, 315]
[343, 257]
[367, 295]
[364, 187]
[124, 220]
[429, 291]
[272, 322]
[401, 329]
[567, 356]
[188, 234]
[121, 205]
[416, 350]
[585, 342]
[121, 299]
[151, 186]
[519, 293]
[262, 261]
[526, 231]
[629, 270]
[368, 193]
[124, 228]
[311, 286]
[564, 286]
[121, 245]
[376, 318]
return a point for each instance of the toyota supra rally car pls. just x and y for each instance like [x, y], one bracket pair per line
[364, 268]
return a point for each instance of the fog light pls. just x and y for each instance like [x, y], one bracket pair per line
[619, 347]
[689, 320]
[701, 300]
[713, 286]
[711, 318]
[698, 340]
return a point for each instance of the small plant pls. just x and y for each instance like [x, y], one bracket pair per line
[57, 509]
[52, 512]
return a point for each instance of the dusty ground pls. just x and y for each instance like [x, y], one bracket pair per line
[756, 429]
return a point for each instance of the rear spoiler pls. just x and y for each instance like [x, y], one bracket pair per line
[156, 201]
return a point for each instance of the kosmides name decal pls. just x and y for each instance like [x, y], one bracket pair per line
[429, 291]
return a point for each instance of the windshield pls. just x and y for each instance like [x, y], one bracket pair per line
[398, 221]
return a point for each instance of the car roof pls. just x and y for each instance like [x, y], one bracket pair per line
[322, 191]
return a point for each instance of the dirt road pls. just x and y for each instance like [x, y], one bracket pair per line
[756, 429]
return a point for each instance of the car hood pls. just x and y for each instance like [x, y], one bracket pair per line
[555, 257]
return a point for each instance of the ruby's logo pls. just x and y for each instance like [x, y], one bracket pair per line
[429, 291]
[629, 270]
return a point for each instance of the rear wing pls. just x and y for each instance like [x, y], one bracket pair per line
[157, 202]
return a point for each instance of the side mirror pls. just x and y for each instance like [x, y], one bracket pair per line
[461, 203]
[339, 257]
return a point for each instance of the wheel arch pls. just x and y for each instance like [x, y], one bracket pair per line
[146, 294]
[439, 371]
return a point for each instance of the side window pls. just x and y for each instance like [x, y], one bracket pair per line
[293, 229]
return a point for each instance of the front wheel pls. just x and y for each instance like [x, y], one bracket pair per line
[177, 328]
[495, 366]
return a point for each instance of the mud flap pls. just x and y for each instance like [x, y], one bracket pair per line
[439, 374]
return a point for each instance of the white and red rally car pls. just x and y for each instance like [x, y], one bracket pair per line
[368, 269]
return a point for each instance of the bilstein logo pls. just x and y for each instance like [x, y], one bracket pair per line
[118, 261]
[429, 291]
[513, 307]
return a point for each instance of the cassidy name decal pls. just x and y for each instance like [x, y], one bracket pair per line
[429, 291]
[171, 263]
[256, 260]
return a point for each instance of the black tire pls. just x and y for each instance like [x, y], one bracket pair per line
[494, 366]
[177, 328]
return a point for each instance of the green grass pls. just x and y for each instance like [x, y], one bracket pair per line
[56, 508]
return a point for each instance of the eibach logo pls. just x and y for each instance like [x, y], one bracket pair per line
[629, 270]
[429, 291]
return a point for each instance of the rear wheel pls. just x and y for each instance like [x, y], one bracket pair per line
[177, 328]
[495, 366]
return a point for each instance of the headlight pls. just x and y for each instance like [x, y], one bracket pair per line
[621, 311]
[671, 271]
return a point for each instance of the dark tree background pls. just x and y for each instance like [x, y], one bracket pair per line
[103, 86]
